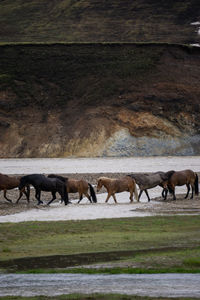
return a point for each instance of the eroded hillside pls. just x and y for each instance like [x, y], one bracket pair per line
[62, 100]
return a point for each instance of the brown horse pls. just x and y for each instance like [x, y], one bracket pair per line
[9, 183]
[78, 186]
[185, 177]
[117, 186]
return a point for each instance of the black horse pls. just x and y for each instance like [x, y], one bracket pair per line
[42, 183]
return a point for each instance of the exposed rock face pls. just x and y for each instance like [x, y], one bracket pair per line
[99, 100]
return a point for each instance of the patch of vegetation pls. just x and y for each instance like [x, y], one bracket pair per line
[154, 242]
[97, 21]
[51, 75]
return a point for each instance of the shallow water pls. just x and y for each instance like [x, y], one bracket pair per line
[153, 285]
[97, 165]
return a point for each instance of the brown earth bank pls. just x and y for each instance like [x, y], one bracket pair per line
[90, 100]
[163, 207]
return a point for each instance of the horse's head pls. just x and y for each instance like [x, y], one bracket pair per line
[99, 184]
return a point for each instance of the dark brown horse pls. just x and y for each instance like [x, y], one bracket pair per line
[78, 186]
[185, 177]
[113, 185]
[12, 182]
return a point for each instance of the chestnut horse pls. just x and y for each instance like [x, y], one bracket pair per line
[117, 186]
[78, 186]
[185, 177]
[9, 183]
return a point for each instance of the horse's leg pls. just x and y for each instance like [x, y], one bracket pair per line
[4, 193]
[27, 193]
[188, 190]
[37, 196]
[147, 195]
[173, 193]
[53, 197]
[88, 196]
[80, 197]
[131, 196]
[166, 192]
[109, 194]
[113, 195]
[192, 185]
[20, 195]
[141, 191]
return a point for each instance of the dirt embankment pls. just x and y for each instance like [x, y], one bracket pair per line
[90, 100]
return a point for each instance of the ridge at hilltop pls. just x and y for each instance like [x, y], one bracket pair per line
[99, 21]
[63, 100]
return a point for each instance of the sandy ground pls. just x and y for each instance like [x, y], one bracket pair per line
[11, 212]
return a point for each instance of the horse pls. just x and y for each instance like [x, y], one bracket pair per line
[117, 186]
[185, 177]
[11, 182]
[78, 186]
[41, 183]
[147, 181]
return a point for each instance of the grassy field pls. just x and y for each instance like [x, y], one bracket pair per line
[97, 21]
[153, 244]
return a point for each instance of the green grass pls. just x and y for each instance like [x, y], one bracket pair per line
[178, 239]
[92, 21]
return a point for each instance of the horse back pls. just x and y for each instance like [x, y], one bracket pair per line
[8, 182]
[72, 186]
[123, 184]
[182, 177]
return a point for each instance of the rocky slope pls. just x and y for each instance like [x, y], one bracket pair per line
[63, 100]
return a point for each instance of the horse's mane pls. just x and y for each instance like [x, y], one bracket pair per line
[169, 174]
[63, 179]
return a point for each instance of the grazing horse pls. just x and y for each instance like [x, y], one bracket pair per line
[117, 186]
[185, 177]
[148, 181]
[78, 186]
[42, 183]
[11, 182]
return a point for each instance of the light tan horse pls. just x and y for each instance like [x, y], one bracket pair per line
[11, 182]
[114, 185]
[78, 186]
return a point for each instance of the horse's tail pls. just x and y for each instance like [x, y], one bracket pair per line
[66, 198]
[196, 185]
[135, 190]
[92, 193]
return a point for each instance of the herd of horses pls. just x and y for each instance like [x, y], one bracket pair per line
[62, 185]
